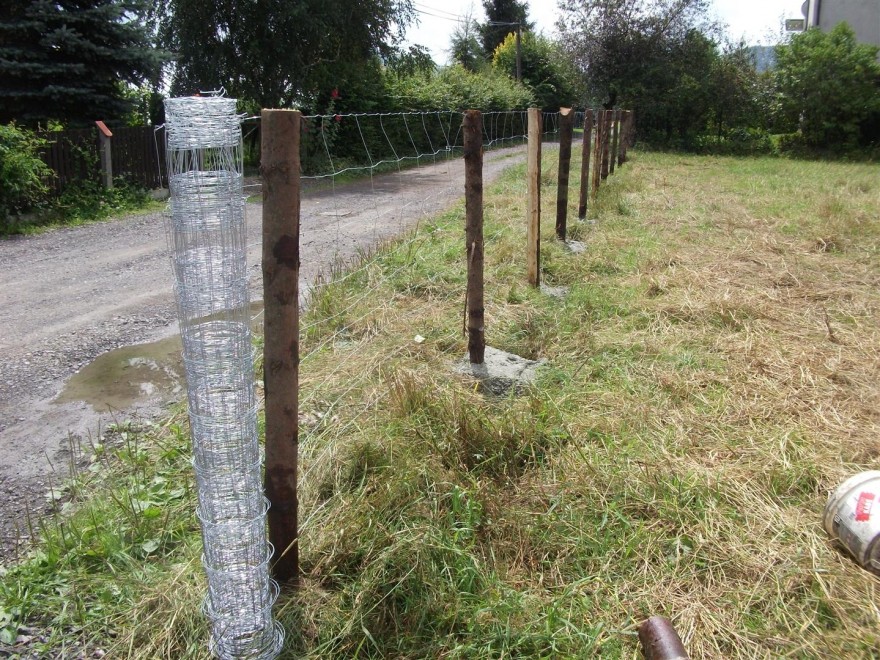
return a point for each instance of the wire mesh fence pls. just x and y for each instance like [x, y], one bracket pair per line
[207, 236]
[367, 177]
[397, 169]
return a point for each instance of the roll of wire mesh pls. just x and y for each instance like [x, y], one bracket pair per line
[206, 233]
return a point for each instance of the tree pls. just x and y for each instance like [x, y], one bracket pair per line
[502, 18]
[465, 46]
[71, 61]
[274, 53]
[734, 90]
[831, 84]
[410, 62]
[652, 56]
[546, 70]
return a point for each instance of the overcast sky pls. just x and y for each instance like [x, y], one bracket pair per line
[756, 20]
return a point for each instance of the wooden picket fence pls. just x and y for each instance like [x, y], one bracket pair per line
[138, 156]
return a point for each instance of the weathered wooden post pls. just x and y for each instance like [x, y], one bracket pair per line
[585, 164]
[106, 154]
[615, 140]
[628, 135]
[533, 230]
[597, 148]
[606, 139]
[473, 200]
[566, 130]
[280, 169]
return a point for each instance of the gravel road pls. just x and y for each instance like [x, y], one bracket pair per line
[71, 295]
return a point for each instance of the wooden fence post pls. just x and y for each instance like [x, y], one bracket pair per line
[630, 131]
[280, 169]
[473, 199]
[597, 148]
[533, 230]
[606, 134]
[566, 130]
[585, 164]
[629, 134]
[621, 149]
[106, 154]
[615, 143]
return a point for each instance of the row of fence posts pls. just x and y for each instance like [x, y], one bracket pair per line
[607, 135]
[613, 130]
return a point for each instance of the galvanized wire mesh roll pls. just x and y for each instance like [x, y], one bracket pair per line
[206, 232]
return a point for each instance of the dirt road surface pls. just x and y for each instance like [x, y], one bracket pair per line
[68, 296]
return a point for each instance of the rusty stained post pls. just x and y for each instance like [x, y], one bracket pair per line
[566, 130]
[660, 641]
[585, 164]
[533, 229]
[473, 199]
[280, 169]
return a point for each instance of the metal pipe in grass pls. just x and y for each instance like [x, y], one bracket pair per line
[660, 641]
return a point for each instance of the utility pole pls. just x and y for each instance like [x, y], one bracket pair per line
[518, 52]
[518, 45]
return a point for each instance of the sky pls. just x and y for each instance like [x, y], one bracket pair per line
[758, 21]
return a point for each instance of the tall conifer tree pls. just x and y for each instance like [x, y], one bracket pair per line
[501, 15]
[70, 60]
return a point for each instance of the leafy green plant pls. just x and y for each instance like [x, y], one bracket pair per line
[88, 200]
[829, 85]
[546, 70]
[456, 88]
[22, 173]
[737, 142]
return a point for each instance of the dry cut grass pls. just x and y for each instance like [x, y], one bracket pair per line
[711, 377]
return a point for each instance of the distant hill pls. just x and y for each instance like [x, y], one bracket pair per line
[765, 57]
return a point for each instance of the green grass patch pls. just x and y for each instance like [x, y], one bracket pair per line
[81, 204]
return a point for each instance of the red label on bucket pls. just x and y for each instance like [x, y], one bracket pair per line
[864, 506]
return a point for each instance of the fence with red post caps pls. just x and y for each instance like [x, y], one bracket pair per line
[133, 153]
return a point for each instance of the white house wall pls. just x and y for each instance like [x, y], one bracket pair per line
[863, 16]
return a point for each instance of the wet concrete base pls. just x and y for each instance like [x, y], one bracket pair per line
[554, 291]
[501, 372]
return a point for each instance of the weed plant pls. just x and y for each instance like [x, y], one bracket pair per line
[710, 377]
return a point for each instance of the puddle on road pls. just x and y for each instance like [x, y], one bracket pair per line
[127, 376]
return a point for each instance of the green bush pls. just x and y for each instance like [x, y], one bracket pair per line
[23, 188]
[546, 70]
[737, 142]
[22, 173]
[86, 201]
[456, 88]
[829, 85]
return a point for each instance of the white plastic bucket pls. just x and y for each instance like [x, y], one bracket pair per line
[852, 516]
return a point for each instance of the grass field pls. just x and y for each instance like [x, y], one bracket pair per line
[711, 376]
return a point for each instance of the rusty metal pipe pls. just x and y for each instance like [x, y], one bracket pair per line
[660, 641]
